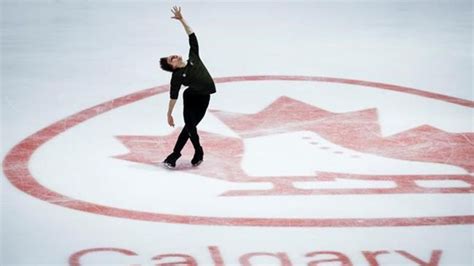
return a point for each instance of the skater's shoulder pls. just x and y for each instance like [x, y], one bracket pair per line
[177, 73]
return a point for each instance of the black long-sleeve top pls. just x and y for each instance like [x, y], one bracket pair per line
[194, 74]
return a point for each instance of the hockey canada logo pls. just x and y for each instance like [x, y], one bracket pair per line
[333, 152]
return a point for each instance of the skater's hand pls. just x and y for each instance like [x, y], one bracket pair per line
[177, 13]
[170, 120]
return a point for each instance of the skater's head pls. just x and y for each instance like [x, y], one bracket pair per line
[171, 63]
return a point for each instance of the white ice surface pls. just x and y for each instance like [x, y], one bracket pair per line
[85, 155]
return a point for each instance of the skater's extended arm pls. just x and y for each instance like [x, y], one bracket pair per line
[193, 43]
[177, 15]
[170, 112]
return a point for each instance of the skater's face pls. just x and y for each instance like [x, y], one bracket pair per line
[174, 60]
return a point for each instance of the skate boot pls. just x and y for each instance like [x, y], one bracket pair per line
[170, 161]
[198, 157]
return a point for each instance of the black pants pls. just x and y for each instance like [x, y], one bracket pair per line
[195, 107]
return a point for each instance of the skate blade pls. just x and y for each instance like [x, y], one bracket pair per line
[169, 166]
[198, 163]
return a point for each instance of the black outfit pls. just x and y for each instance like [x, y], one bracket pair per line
[195, 106]
[194, 74]
[195, 99]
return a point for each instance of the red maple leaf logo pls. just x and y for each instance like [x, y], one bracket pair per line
[359, 131]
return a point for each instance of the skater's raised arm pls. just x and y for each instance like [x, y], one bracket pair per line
[193, 43]
[177, 15]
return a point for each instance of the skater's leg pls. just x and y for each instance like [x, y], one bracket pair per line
[198, 151]
[183, 137]
[170, 161]
[195, 107]
[192, 131]
[200, 106]
[181, 141]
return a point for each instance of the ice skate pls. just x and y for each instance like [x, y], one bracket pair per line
[170, 161]
[197, 158]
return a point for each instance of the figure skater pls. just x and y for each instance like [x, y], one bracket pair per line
[193, 74]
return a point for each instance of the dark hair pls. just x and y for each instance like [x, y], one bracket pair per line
[164, 64]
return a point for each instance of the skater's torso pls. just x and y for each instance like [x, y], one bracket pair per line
[194, 74]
